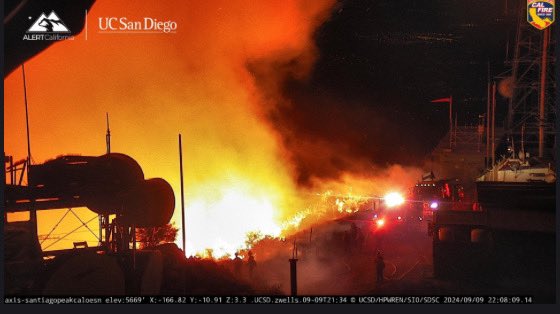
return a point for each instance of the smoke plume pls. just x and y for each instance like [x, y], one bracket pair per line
[234, 80]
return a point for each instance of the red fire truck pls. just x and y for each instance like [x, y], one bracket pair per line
[430, 195]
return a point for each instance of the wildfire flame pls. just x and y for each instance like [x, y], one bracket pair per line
[239, 180]
[226, 214]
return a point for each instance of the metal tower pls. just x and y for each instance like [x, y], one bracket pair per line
[531, 111]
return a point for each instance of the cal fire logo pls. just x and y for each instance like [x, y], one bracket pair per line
[540, 14]
[49, 27]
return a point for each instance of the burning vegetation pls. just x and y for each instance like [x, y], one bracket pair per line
[263, 157]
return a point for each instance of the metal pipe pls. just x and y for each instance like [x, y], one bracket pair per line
[488, 117]
[12, 171]
[542, 92]
[293, 276]
[26, 117]
[22, 173]
[104, 219]
[133, 230]
[455, 132]
[493, 125]
[32, 210]
[523, 141]
[450, 121]
[108, 135]
[182, 196]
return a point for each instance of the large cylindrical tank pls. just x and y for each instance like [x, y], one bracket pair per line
[96, 181]
[109, 176]
[109, 184]
[149, 204]
[62, 175]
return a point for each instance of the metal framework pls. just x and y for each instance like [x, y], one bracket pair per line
[16, 172]
[22, 198]
[531, 108]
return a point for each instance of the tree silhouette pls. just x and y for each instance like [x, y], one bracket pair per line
[152, 236]
[252, 237]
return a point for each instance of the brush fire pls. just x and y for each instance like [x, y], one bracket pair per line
[256, 175]
[242, 176]
[294, 171]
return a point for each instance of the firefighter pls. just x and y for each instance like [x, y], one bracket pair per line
[379, 267]
[252, 263]
[237, 264]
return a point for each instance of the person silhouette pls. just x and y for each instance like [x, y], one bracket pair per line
[252, 264]
[237, 264]
[379, 267]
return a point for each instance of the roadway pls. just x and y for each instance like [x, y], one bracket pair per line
[327, 266]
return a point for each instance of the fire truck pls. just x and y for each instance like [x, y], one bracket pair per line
[430, 195]
[510, 231]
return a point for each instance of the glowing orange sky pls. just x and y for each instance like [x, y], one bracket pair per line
[155, 86]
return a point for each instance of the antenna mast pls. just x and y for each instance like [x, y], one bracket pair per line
[104, 218]
[182, 196]
[26, 118]
[108, 135]
[33, 211]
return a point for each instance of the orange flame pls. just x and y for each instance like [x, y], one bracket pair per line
[154, 86]
[194, 82]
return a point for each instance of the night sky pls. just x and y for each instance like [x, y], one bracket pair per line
[380, 63]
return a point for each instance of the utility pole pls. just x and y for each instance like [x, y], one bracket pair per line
[103, 218]
[450, 101]
[450, 120]
[488, 117]
[182, 197]
[32, 211]
[26, 118]
[455, 131]
[493, 125]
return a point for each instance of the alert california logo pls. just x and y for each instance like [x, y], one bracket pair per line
[48, 27]
[540, 14]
